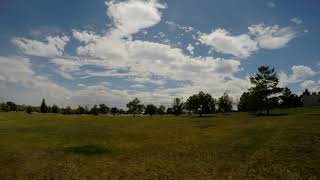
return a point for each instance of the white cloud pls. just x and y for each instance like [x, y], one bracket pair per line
[116, 54]
[190, 48]
[312, 86]
[302, 71]
[272, 37]
[84, 36]
[18, 70]
[271, 4]
[67, 64]
[222, 41]
[299, 73]
[173, 26]
[53, 46]
[296, 20]
[129, 17]
[140, 86]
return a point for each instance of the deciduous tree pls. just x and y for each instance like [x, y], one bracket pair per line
[134, 107]
[151, 109]
[201, 103]
[225, 103]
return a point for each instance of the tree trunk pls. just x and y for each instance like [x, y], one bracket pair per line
[268, 108]
[200, 114]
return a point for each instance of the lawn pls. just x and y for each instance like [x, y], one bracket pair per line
[231, 146]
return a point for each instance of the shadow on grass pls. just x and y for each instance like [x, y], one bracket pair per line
[87, 150]
[206, 116]
[271, 115]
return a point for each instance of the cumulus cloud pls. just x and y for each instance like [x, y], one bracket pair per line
[115, 54]
[129, 17]
[296, 20]
[51, 47]
[312, 86]
[271, 4]
[272, 37]
[242, 46]
[190, 48]
[18, 70]
[223, 41]
[299, 73]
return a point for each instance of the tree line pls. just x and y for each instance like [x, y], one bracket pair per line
[263, 96]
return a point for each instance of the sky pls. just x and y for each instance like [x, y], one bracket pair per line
[81, 52]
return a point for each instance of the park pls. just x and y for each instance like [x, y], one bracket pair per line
[232, 145]
[159, 90]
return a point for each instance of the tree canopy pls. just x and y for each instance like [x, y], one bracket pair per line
[151, 109]
[265, 85]
[225, 103]
[177, 106]
[135, 106]
[43, 107]
[201, 103]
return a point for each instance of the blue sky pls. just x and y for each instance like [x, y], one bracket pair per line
[89, 52]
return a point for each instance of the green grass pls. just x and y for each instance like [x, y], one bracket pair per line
[231, 146]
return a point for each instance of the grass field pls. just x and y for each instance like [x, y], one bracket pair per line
[231, 146]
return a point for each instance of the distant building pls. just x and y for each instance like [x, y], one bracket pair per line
[312, 100]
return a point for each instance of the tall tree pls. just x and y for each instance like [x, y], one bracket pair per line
[177, 106]
[94, 110]
[249, 102]
[55, 109]
[225, 103]
[68, 110]
[103, 109]
[12, 106]
[151, 109]
[81, 110]
[29, 109]
[169, 111]
[134, 107]
[114, 111]
[4, 107]
[161, 110]
[265, 85]
[201, 103]
[43, 107]
[306, 93]
[286, 97]
[289, 100]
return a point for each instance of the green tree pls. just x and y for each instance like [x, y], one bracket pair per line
[286, 97]
[225, 103]
[151, 109]
[169, 111]
[103, 109]
[55, 109]
[121, 111]
[11, 106]
[114, 111]
[29, 110]
[161, 110]
[306, 93]
[201, 103]
[68, 110]
[94, 110]
[134, 107]
[289, 100]
[81, 110]
[177, 106]
[43, 107]
[4, 107]
[265, 85]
